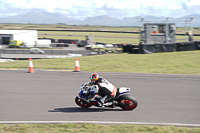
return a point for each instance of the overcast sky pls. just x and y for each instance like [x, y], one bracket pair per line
[81, 9]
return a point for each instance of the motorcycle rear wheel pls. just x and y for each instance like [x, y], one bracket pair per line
[82, 103]
[127, 102]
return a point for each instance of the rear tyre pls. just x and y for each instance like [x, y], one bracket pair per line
[127, 102]
[82, 103]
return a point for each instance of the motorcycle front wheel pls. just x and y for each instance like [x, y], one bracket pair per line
[82, 103]
[127, 102]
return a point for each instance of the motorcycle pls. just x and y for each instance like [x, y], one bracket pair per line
[89, 95]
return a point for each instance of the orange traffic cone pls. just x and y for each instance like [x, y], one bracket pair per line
[77, 66]
[31, 70]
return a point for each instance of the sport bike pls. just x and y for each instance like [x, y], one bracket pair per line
[89, 95]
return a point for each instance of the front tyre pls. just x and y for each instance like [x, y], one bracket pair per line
[82, 103]
[127, 102]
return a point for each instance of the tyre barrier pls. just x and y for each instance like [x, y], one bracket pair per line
[168, 47]
[158, 48]
[197, 45]
[129, 48]
[185, 46]
[62, 45]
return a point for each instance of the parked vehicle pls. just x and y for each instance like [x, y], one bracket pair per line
[109, 46]
[88, 46]
[36, 51]
[86, 94]
[105, 45]
[15, 43]
[98, 45]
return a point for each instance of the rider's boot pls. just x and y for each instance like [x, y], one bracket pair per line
[101, 101]
[110, 102]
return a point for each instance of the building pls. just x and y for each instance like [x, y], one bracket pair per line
[29, 37]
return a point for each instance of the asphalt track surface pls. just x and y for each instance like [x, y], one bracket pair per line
[49, 96]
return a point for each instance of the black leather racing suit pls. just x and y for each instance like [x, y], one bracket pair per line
[106, 88]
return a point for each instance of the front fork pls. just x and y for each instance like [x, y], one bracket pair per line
[88, 101]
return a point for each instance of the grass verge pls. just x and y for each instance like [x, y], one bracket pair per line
[105, 37]
[168, 63]
[93, 128]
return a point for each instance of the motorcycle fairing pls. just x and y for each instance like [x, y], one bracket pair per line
[123, 90]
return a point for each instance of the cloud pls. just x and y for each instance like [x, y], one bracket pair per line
[116, 8]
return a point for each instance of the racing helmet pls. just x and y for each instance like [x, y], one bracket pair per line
[94, 77]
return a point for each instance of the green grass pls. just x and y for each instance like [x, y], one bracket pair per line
[93, 128]
[56, 35]
[183, 37]
[109, 34]
[169, 63]
[65, 27]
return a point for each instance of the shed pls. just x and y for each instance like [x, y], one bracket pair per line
[29, 37]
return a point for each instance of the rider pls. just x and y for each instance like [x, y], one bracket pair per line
[105, 87]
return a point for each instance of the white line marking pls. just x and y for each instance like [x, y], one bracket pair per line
[58, 70]
[99, 122]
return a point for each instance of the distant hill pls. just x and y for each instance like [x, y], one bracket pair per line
[42, 17]
[196, 19]
[103, 20]
[179, 21]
